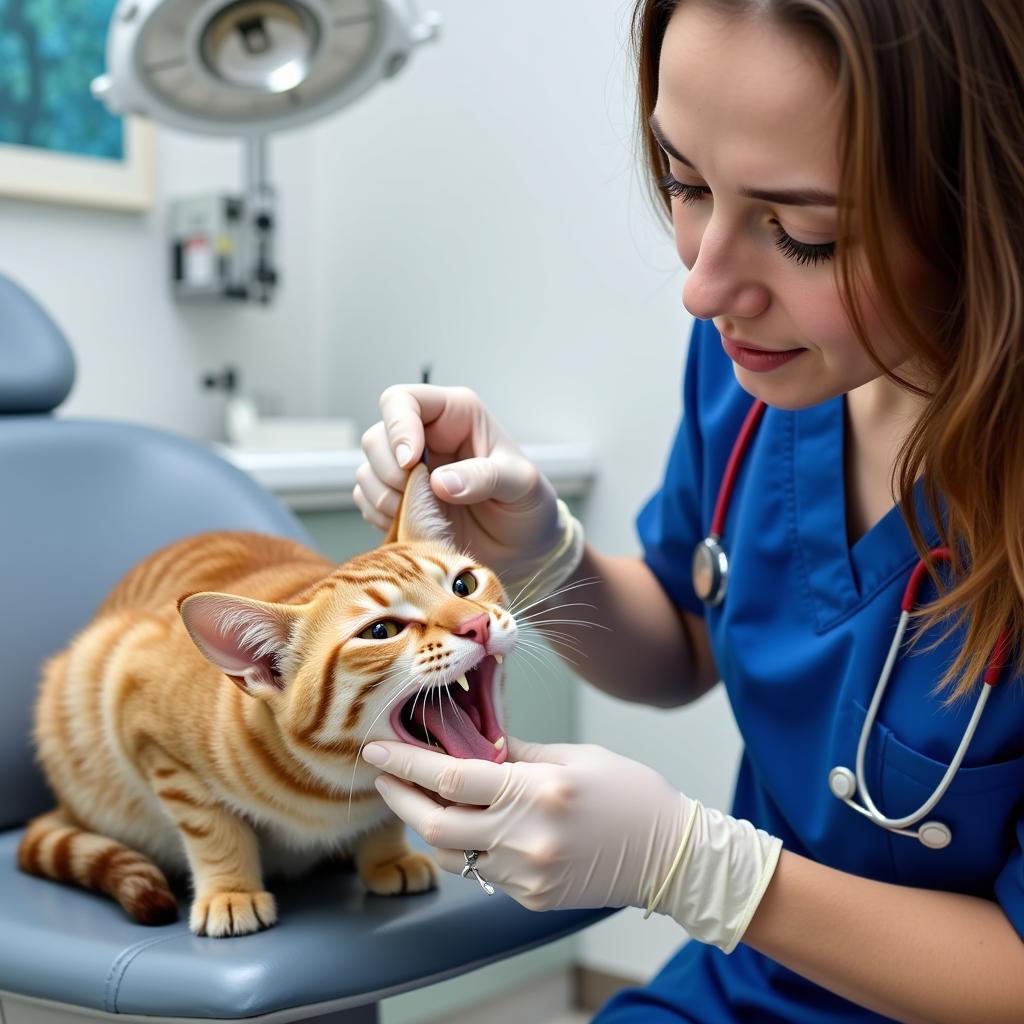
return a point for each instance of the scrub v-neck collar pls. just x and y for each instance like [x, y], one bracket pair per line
[841, 578]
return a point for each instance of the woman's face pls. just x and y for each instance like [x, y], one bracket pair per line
[747, 121]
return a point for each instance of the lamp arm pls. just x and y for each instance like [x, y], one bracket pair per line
[260, 214]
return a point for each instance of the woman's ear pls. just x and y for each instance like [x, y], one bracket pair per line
[421, 516]
[244, 638]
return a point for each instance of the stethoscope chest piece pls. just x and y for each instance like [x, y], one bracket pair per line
[934, 835]
[710, 571]
[710, 562]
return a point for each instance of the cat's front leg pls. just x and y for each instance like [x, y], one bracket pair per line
[386, 865]
[222, 851]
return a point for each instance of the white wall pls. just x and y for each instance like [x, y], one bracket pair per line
[482, 212]
[104, 276]
[485, 214]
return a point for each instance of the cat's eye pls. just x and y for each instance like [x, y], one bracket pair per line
[465, 583]
[383, 630]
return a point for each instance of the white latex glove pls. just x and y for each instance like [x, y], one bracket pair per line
[576, 826]
[501, 507]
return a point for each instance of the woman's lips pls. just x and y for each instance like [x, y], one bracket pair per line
[758, 360]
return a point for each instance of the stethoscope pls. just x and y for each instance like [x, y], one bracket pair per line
[710, 581]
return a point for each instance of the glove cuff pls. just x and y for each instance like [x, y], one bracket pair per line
[544, 575]
[722, 869]
[678, 861]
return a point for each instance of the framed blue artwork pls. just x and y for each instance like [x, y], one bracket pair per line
[57, 142]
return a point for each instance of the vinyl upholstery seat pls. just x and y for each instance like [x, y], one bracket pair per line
[80, 502]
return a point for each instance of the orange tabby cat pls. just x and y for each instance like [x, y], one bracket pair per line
[157, 759]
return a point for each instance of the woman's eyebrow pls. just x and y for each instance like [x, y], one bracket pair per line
[784, 197]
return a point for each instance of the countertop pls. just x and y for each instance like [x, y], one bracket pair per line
[307, 480]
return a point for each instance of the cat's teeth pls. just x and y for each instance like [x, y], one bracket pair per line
[499, 743]
[463, 682]
[498, 658]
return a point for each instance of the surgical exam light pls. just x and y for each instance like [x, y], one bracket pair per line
[247, 68]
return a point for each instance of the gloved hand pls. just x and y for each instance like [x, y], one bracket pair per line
[575, 826]
[501, 507]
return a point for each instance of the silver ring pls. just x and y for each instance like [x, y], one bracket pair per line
[470, 869]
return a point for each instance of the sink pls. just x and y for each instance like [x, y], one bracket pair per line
[248, 431]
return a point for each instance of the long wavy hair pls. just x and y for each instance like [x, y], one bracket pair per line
[932, 94]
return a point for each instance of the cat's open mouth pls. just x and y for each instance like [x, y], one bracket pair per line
[462, 722]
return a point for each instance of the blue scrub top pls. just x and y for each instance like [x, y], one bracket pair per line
[800, 640]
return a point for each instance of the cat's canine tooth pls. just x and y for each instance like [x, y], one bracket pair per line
[463, 682]
[499, 743]
[498, 658]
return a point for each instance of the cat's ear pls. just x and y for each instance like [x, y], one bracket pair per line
[421, 516]
[244, 638]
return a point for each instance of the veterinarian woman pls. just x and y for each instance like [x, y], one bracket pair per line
[846, 184]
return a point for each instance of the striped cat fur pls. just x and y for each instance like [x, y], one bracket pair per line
[161, 766]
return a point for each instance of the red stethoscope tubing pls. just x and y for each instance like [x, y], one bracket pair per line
[1000, 652]
[732, 467]
[732, 470]
[844, 783]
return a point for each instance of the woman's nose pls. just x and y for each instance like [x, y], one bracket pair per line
[721, 283]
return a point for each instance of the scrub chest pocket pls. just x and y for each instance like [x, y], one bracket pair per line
[980, 807]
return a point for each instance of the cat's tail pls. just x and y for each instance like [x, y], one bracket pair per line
[55, 847]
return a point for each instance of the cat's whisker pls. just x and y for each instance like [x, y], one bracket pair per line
[387, 706]
[440, 708]
[555, 593]
[554, 636]
[451, 699]
[538, 623]
[535, 675]
[400, 691]
[548, 629]
[538, 654]
[424, 688]
[545, 630]
[556, 610]
[530, 646]
[390, 699]
[539, 598]
[524, 588]
[561, 643]
[389, 702]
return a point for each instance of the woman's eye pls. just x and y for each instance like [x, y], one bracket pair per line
[465, 583]
[383, 630]
[803, 252]
[677, 190]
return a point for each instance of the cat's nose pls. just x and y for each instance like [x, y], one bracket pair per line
[476, 628]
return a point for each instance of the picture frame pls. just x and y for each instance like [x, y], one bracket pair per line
[46, 176]
[57, 142]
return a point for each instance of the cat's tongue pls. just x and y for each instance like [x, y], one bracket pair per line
[455, 730]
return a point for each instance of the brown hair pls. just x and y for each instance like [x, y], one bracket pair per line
[932, 94]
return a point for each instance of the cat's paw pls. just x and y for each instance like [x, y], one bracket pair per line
[220, 914]
[412, 872]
